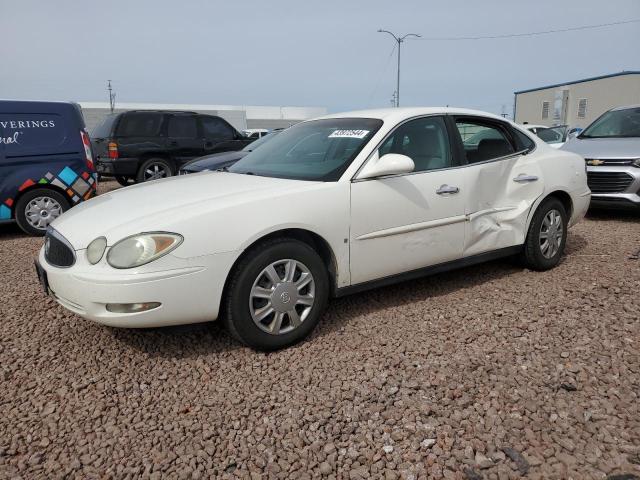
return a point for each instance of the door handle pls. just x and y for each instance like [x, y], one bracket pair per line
[523, 178]
[447, 190]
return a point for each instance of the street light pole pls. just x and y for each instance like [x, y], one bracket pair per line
[399, 40]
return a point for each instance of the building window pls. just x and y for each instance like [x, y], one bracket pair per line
[582, 108]
[545, 110]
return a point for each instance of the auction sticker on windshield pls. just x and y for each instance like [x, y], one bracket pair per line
[349, 134]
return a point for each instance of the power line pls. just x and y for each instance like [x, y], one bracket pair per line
[380, 74]
[529, 34]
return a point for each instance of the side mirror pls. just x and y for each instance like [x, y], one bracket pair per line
[389, 164]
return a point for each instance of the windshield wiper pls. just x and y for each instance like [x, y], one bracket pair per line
[223, 169]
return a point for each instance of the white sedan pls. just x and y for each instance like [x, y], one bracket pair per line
[330, 206]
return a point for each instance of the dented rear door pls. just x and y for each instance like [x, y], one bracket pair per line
[502, 187]
[500, 195]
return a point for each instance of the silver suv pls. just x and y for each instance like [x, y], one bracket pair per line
[611, 148]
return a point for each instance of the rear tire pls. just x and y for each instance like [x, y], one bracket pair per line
[37, 208]
[547, 236]
[124, 181]
[154, 169]
[287, 280]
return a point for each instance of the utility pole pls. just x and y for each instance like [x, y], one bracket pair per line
[393, 100]
[112, 97]
[399, 40]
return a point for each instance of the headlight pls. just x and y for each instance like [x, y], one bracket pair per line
[143, 248]
[96, 249]
[636, 162]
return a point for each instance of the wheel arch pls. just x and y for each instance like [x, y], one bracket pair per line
[37, 186]
[562, 195]
[314, 240]
[565, 199]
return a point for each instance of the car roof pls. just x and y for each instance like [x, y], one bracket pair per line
[401, 113]
[159, 111]
[625, 107]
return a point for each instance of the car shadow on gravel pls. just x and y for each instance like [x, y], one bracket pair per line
[11, 230]
[437, 285]
[211, 338]
[182, 341]
[615, 215]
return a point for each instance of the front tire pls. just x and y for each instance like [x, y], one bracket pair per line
[37, 208]
[124, 181]
[547, 236]
[276, 295]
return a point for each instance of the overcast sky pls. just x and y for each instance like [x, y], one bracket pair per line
[293, 52]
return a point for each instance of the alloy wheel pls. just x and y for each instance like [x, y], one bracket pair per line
[155, 171]
[551, 233]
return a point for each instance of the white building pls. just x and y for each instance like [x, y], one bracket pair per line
[240, 116]
[577, 103]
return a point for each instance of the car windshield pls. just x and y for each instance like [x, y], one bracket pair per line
[319, 150]
[615, 124]
[554, 134]
[253, 145]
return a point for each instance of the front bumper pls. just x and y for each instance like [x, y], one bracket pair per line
[613, 186]
[189, 290]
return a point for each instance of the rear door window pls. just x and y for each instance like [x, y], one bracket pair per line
[140, 125]
[182, 126]
[30, 133]
[483, 141]
[524, 142]
[217, 129]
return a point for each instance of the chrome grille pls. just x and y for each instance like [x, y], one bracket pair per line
[57, 250]
[608, 182]
[614, 162]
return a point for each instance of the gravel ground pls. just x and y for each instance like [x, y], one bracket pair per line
[491, 372]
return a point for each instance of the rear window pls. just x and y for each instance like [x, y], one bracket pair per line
[27, 133]
[104, 129]
[182, 126]
[140, 125]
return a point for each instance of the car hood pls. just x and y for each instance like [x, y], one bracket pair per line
[604, 147]
[215, 161]
[162, 204]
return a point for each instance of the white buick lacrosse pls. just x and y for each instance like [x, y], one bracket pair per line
[329, 207]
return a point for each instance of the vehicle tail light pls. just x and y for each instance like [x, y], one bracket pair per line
[113, 150]
[86, 143]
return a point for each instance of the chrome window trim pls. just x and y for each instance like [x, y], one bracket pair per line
[454, 167]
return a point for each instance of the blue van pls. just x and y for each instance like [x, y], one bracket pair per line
[46, 164]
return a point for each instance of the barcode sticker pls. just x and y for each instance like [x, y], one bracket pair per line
[349, 134]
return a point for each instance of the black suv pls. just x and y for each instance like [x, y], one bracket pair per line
[143, 145]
